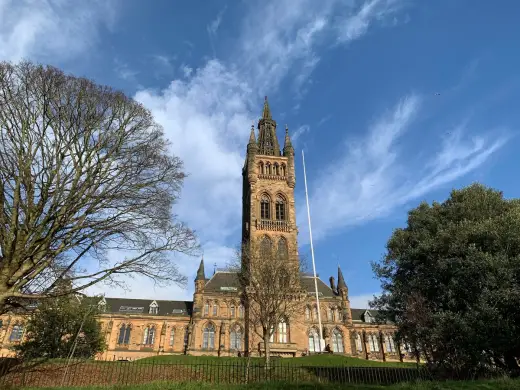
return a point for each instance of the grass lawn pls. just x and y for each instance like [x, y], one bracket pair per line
[325, 360]
[503, 384]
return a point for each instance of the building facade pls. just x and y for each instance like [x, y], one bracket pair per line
[214, 322]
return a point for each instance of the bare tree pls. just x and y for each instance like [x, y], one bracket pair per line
[271, 286]
[84, 170]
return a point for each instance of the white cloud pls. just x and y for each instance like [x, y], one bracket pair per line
[376, 174]
[52, 29]
[299, 132]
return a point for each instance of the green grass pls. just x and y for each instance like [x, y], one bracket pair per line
[326, 360]
[501, 384]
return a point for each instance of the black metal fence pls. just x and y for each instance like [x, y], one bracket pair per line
[87, 373]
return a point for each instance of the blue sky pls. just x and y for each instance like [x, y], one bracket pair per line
[393, 101]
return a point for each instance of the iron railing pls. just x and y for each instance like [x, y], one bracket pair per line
[100, 373]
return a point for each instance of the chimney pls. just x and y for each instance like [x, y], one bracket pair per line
[332, 284]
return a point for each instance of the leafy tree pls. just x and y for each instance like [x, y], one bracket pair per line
[61, 326]
[84, 170]
[451, 281]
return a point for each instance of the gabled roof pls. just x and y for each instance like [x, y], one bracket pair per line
[324, 290]
[142, 306]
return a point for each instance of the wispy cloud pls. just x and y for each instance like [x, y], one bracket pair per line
[299, 132]
[51, 30]
[376, 173]
[212, 29]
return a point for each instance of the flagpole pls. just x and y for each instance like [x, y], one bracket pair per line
[322, 342]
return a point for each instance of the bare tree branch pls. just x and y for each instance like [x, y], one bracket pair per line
[84, 170]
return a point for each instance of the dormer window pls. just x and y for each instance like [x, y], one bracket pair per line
[368, 317]
[102, 305]
[154, 308]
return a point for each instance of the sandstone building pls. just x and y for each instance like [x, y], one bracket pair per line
[214, 322]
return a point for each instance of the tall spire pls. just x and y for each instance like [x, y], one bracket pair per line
[341, 280]
[200, 272]
[267, 140]
[267, 112]
[252, 138]
[287, 147]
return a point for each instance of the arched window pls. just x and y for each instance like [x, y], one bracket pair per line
[208, 337]
[266, 247]
[236, 338]
[330, 314]
[359, 343]
[241, 311]
[283, 250]
[260, 167]
[265, 207]
[206, 309]
[268, 168]
[314, 341]
[232, 311]
[307, 313]
[280, 208]
[276, 170]
[282, 332]
[340, 315]
[282, 170]
[124, 335]
[16, 333]
[337, 341]
[172, 337]
[215, 309]
[389, 344]
[373, 343]
[149, 335]
[315, 313]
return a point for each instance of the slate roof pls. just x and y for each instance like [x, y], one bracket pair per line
[324, 290]
[142, 306]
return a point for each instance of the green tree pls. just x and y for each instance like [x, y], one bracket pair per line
[57, 325]
[451, 281]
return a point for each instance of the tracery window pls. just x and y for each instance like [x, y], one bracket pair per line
[124, 334]
[283, 250]
[373, 344]
[208, 337]
[236, 338]
[265, 247]
[265, 207]
[149, 335]
[337, 341]
[16, 333]
[314, 341]
[389, 344]
[280, 208]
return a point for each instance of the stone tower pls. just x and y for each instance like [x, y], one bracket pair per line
[268, 215]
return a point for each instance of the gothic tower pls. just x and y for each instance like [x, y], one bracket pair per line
[268, 215]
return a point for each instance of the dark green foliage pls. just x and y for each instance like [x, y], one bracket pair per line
[451, 281]
[54, 326]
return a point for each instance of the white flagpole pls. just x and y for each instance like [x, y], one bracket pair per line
[322, 342]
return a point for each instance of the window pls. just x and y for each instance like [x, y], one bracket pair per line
[282, 169]
[172, 337]
[215, 309]
[407, 347]
[337, 341]
[154, 310]
[372, 343]
[268, 168]
[208, 337]
[260, 168]
[282, 332]
[232, 311]
[276, 171]
[307, 314]
[315, 313]
[16, 333]
[186, 336]
[265, 206]
[280, 208]
[330, 314]
[149, 335]
[265, 247]
[124, 335]
[359, 343]
[340, 315]
[314, 341]
[271, 337]
[236, 338]
[389, 344]
[283, 252]
[368, 317]
[206, 309]
[241, 311]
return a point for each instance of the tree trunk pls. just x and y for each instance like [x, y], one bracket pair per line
[267, 349]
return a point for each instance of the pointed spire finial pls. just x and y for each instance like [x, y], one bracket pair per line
[287, 142]
[267, 112]
[341, 280]
[252, 138]
[201, 275]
